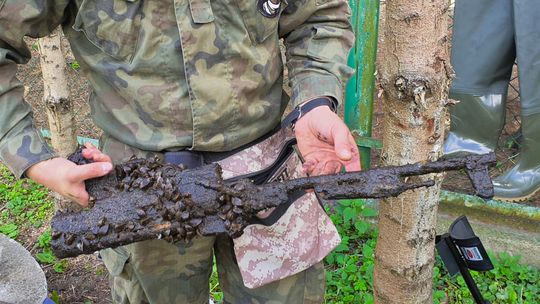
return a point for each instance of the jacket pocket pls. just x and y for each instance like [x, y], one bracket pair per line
[261, 17]
[111, 25]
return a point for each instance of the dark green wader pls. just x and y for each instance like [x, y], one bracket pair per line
[488, 36]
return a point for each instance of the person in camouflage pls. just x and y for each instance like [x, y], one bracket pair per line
[196, 75]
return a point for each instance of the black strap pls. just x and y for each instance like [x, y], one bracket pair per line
[263, 176]
[189, 159]
[302, 109]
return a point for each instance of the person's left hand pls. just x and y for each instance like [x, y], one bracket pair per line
[325, 142]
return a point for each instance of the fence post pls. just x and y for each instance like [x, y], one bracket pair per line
[358, 109]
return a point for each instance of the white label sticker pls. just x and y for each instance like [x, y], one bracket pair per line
[472, 253]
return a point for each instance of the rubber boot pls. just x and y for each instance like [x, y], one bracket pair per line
[523, 180]
[477, 122]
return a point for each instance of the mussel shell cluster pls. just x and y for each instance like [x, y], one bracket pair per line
[173, 206]
[177, 207]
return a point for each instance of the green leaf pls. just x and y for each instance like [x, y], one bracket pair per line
[368, 250]
[345, 202]
[439, 295]
[46, 257]
[361, 226]
[44, 240]
[369, 212]
[369, 299]
[342, 247]
[75, 65]
[11, 230]
[330, 259]
[351, 268]
[349, 213]
[55, 297]
[60, 266]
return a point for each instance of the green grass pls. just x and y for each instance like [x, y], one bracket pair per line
[349, 275]
[75, 65]
[23, 203]
[350, 268]
[215, 291]
[509, 282]
[26, 205]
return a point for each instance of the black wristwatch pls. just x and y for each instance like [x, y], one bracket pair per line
[304, 108]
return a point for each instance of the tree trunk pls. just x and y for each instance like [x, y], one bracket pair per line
[414, 74]
[56, 94]
[57, 102]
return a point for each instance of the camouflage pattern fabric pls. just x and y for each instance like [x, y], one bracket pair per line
[159, 272]
[300, 238]
[171, 74]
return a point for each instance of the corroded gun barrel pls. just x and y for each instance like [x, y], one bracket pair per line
[144, 199]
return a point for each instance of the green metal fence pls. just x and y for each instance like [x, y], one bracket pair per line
[358, 108]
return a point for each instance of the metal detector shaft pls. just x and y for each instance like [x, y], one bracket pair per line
[471, 284]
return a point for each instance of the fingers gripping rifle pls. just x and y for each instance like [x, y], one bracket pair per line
[144, 199]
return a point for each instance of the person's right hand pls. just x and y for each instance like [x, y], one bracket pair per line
[67, 178]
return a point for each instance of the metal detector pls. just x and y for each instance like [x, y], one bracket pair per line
[461, 250]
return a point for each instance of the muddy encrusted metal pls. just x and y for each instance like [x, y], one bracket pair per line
[145, 199]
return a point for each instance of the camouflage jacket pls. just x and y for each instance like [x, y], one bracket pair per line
[170, 74]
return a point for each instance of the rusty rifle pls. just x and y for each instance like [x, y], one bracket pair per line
[145, 200]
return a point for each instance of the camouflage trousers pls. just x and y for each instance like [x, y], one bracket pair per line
[158, 272]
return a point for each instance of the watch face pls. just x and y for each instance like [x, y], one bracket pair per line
[269, 8]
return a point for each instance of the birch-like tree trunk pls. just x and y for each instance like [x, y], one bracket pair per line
[414, 74]
[58, 105]
[56, 94]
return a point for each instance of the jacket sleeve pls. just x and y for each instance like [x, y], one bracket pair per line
[21, 145]
[318, 38]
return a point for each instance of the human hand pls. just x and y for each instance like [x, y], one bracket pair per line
[67, 178]
[325, 142]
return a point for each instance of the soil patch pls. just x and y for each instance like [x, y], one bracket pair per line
[84, 281]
